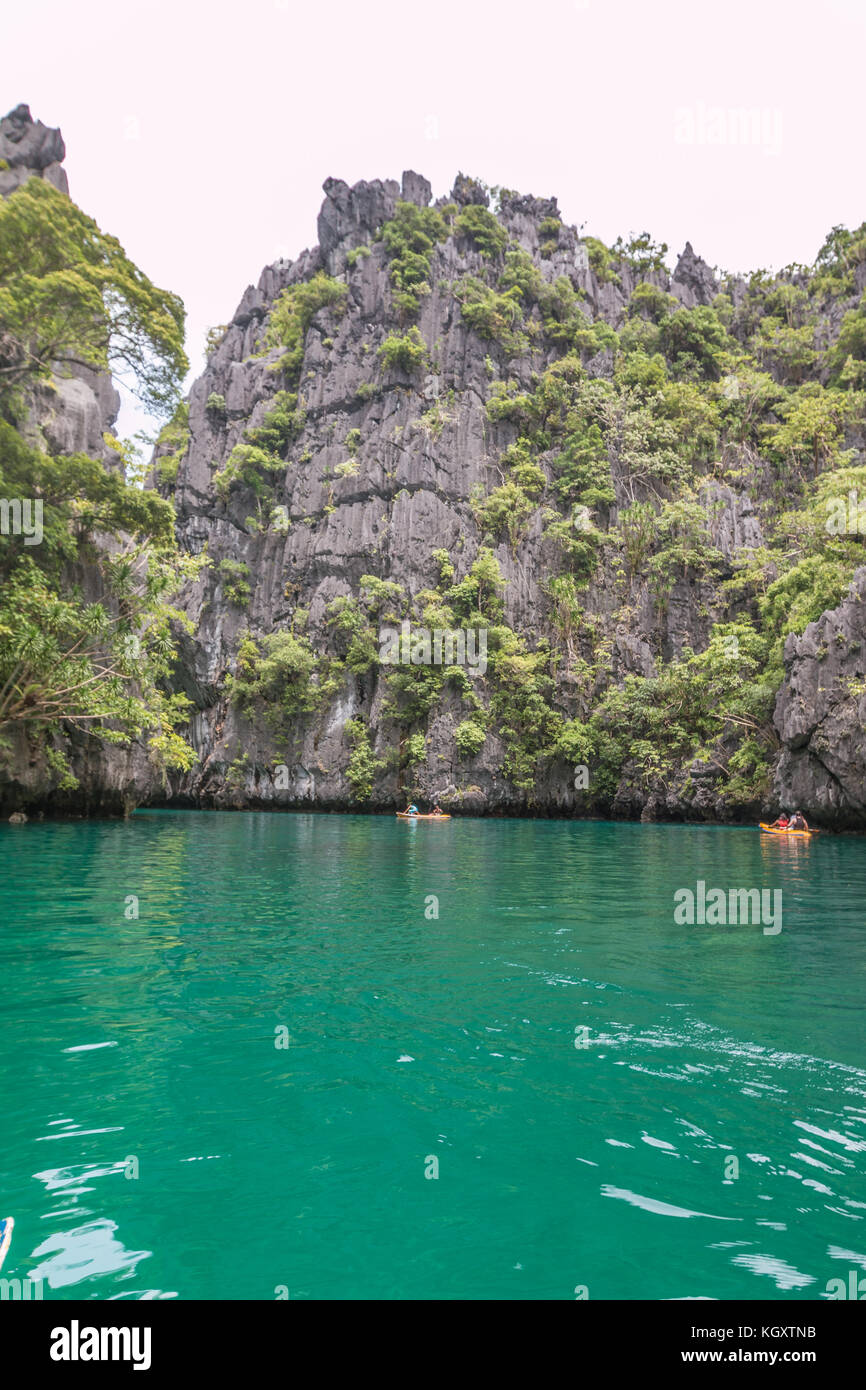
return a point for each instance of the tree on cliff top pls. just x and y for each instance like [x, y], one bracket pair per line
[70, 296]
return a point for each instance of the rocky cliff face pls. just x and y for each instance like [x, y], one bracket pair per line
[72, 413]
[424, 446]
[821, 715]
[410, 495]
[69, 415]
[345, 491]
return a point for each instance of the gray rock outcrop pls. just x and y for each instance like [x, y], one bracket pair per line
[29, 148]
[821, 715]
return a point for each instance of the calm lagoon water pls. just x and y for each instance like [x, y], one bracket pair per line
[155, 1142]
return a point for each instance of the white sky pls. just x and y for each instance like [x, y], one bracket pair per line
[200, 133]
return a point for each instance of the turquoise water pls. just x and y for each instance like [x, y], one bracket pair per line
[146, 1046]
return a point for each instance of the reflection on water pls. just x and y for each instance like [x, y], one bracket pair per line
[74, 1255]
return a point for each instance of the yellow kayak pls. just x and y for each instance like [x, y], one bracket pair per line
[777, 830]
[404, 815]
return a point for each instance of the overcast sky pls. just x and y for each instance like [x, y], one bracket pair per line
[200, 133]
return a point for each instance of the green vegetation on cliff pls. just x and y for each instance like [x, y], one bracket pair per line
[87, 629]
[95, 660]
[651, 464]
[292, 315]
[410, 238]
[70, 297]
[628, 469]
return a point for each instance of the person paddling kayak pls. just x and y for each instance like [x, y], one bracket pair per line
[797, 821]
[411, 810]
[781, 823]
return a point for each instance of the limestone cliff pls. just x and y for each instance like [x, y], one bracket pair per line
[68, 415]
[340, 458]
[423, 447]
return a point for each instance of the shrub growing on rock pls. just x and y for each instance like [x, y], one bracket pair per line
[469, 738]
[405, 352]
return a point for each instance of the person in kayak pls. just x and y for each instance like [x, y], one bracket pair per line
[798, 821]
[781, 823]
[411, 810]
[437, 810]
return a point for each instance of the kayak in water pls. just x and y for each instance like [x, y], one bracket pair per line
[6, 1224]
[416, 815]
[780, 830]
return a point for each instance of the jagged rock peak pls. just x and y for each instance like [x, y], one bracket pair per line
[25, 141]
[468, 190]
[513, 204]
[695, 277]
[416, 189]
[28, 147]
[352, 214]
